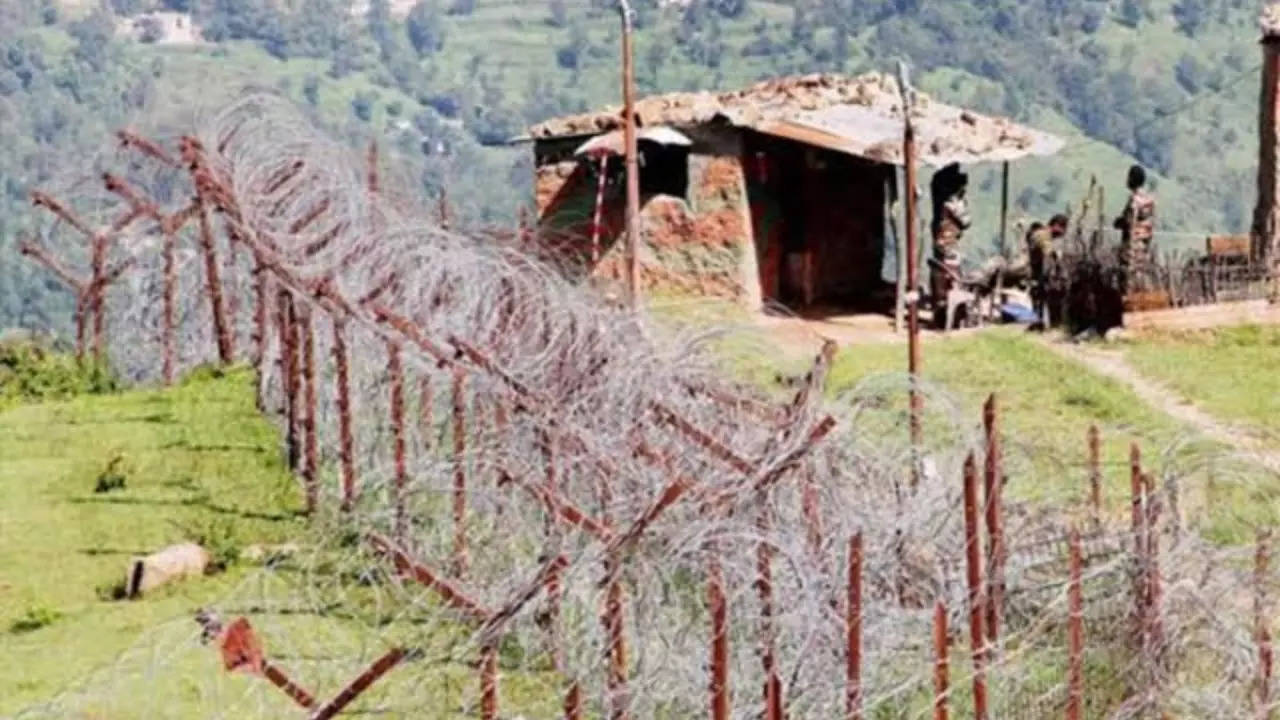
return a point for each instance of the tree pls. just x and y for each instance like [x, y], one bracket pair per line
[462, 7]
[655, 57]
[730, 8]
[559, 14]
[362, 105]
[1130, 13]
[1190, 15]
[152, 30]
[1189, 73]
[311, 90]
[128, 7]
[1091, 19]
[426, 27]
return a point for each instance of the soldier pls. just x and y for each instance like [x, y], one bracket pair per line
[950, 220]
[1136, 226]
[1041, 252]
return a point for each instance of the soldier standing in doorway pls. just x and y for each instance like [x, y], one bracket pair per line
[1136, 227]
[950, 220]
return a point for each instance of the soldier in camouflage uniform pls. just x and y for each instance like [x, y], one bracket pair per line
[1042, 254]
[1136, 226]
[950, 220]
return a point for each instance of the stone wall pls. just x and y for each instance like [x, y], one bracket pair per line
[699, 243]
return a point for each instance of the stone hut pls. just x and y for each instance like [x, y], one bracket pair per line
[775, 193]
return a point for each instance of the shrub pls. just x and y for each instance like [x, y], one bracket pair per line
[113, 477]
[31, 371]
[36, 617]
[218, 536]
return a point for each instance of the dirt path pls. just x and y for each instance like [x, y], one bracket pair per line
[1113, 364]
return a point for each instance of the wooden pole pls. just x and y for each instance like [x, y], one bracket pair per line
[489, 682]
[1139, 556]
[1095, 475]
[346, 440]
[973, 554]
[262, 295]
[719, 640]
[993, 487]
[853, 629]
[221, 331]
[396, 368]
[632, 156]
[287, 323]
[460, 562]
[573, 703]
[1004, 209]
[912, 296]
[613, 625]
[940, 669]
[310, 462]
[97, 301]
[1262, 632]
[900, 300]
[1075, 633]
[170, 281]
[764, 585]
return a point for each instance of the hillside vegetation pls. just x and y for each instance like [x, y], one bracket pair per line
[1172, 83]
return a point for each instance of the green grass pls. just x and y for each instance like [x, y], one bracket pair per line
[1233, 374]
[1047, 405]
[195, 460]
[89, 482]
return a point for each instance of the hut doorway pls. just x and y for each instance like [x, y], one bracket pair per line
[818, 223]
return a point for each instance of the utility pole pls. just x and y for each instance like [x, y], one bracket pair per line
[913, 283]
[632, 162]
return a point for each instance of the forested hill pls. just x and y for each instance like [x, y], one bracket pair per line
[1173, 83]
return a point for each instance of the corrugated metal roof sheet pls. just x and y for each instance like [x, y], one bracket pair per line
[861, 116]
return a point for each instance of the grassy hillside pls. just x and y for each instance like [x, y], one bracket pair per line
[1234, 374]
[198, 463]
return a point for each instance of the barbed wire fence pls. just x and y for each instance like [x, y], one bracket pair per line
[525, 500]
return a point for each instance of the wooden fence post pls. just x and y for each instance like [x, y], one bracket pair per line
[395, 367]
[1262, 632]
[1075, 633]
[310, 464]
[853, 628]
[973, 554]
[460, 562]
[1095, 475]
[346, 440]
[940, 668]
[719, 640]
[994, 492]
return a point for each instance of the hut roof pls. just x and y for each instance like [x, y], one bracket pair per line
[860, 116]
